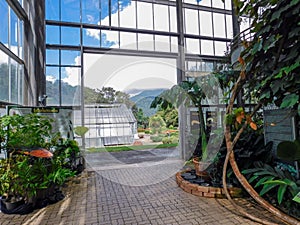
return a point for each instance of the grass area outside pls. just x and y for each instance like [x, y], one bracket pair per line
[129, 148]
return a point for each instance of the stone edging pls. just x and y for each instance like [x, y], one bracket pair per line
[202, 191]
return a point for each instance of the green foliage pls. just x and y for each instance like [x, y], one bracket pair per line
[170, 115]
[289, 150]
[108, 95]
[191, 93]
[26, 131]
[170, 140]
[156, 138]
[156, 124]
[80, 131]
[22, 174]
[272, 58]
[142, 120]
[269, 178]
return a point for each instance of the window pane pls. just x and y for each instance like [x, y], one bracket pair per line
[52, 34]
[245, 23]
[207, 47]
[4, 22]
[217, 4]
[205, 23]
[145, 42]
[90, 11]
[205, 2]
[128, 40]
[52, 57]
[115, 13]
[70, 57]
[161, 18]
[162, 43]
[14, 87]
[174, 44]
[219, 25]
[91, 37]
[144, 15]
[128, 16]
[173, 19]
[104, 12]
[190, 1]
[110, 39]
[52, 85]
[21, 39]
[52, 10]
[4, 77]
[229, 26]
[192, 46]
[70, 89]
[70, 10]
[228, 4]
[13, 32]
[220, 48]
[191, 21]
[70, 36]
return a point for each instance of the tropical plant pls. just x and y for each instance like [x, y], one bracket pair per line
[269, 177]
[22, 132]
[269, 69]
[191, 93]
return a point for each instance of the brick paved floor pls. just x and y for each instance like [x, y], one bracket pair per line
[97, 198]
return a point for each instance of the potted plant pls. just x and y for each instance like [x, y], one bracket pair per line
[31, 172]
[11, 190]
[192, 94]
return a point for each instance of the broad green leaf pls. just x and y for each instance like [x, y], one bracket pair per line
[266, 188]
[289, 100]
[281, 192]
[277, 182]
[263, 180]
[253, 178]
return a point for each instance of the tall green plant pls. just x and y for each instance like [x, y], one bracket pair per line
[26, 131]
[191, 93]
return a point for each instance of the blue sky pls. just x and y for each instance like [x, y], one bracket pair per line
[93, 13]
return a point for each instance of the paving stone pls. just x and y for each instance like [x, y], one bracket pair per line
[99, 199]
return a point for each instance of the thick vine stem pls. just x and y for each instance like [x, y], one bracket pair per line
[230, 157]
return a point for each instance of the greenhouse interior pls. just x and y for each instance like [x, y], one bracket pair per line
[148, 111]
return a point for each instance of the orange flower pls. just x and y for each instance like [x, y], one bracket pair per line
[253, 125]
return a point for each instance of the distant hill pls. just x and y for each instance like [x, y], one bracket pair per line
[143, 99]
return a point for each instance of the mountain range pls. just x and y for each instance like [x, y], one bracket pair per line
[144, 97]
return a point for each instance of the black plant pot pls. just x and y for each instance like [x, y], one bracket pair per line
[11, 205]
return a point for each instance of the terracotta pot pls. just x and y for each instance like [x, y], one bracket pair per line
[200, 167]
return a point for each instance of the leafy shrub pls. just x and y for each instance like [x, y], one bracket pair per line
[170, 140]
[158, 138]
[147, 131]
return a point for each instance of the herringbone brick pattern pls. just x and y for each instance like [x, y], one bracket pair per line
[93, 199]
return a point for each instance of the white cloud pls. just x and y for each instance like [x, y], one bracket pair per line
[4, 57]
[50, 78]
[73, 73]
[127, 72]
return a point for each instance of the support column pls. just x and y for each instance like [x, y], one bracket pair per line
[182, 111]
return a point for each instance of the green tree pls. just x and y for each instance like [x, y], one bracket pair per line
[156, 124]
[142, 120]
[170, 115]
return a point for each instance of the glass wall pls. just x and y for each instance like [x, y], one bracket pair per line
[132, 26]
[11, 56]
